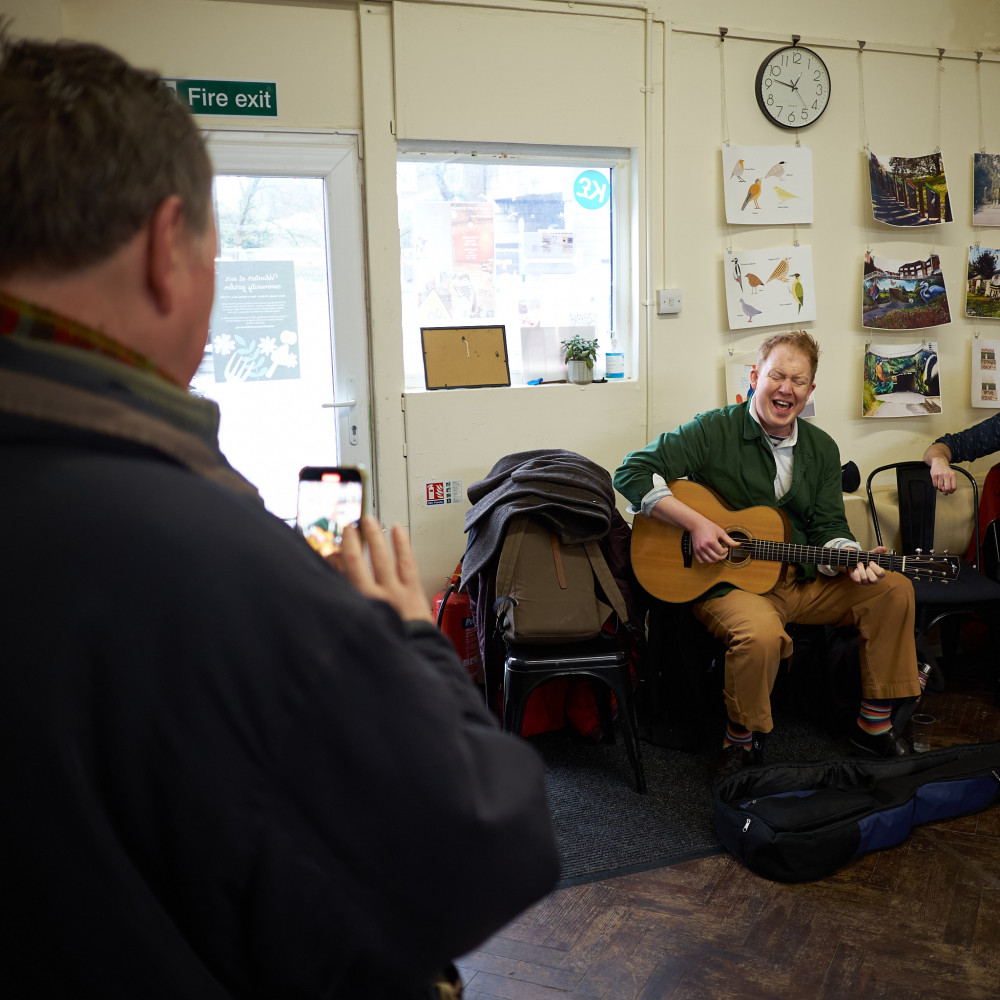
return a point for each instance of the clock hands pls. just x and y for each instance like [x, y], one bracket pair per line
[794, 87]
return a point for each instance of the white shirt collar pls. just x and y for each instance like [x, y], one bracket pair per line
[788, 442]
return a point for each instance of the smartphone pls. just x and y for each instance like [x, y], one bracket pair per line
[330, 499]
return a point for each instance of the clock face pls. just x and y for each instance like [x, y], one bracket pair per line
[793, 87]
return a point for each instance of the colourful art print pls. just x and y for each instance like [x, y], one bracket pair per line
[903, 294]
[909, 190]
[984, 373]
[767, 185]
[769, 286]
[986, 190]
[901, 380]
[982, 293]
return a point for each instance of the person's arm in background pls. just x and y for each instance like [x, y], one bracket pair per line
[963, 446]
[943, 476]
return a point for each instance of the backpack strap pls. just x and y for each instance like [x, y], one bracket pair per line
[508, 554]
[603, 573]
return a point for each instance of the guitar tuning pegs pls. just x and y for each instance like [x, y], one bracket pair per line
[920, 552]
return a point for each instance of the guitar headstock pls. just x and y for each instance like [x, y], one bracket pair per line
[940, 568]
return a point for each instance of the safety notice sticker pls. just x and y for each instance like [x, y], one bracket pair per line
[448, 491]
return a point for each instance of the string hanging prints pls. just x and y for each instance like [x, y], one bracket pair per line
[767, 185]
[769, 286]
[986, 189]
[984, 373]
[982, 296]
[903, 294]
[901, 380]
[909, 190]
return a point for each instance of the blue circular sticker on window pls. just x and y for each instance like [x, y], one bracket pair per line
[592, 189]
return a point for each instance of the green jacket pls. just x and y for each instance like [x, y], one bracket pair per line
[726, 450]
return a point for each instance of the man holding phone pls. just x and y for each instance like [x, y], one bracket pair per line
[226, 770]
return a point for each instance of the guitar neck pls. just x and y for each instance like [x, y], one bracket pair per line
[786, 552]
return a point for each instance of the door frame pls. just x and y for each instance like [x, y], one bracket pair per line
[334, 156]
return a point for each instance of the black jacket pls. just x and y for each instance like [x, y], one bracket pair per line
[223, 772]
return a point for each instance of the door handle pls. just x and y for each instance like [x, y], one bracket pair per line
[347, 404]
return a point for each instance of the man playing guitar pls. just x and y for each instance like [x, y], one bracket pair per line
[760, 453]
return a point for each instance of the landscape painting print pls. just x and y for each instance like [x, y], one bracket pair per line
[766, 287]
[909, 191]
[982, 295]
[903, 294]
[986, 190]
[901, 380]
[767, 185]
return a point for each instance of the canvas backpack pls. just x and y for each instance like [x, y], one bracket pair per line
[545, 587]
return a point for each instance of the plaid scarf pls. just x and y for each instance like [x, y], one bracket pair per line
[31, 322]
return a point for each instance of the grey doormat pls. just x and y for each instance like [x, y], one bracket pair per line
[605, 828]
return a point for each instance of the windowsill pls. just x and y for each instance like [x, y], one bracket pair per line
[597, 383]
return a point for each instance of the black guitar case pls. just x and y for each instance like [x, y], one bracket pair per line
[801, 822]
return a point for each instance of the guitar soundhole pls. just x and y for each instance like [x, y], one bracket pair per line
[740, 556]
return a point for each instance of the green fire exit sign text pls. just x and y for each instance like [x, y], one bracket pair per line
[227, 97]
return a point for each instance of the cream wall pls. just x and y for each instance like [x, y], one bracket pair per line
[651, 80]
[38, 18]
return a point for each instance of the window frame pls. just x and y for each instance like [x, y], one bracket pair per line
[618, 160]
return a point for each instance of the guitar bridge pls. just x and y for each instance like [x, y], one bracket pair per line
[687, 549]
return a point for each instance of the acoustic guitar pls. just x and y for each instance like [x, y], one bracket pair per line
[664, 563]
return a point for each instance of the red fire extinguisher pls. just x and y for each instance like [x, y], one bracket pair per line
[453, 613]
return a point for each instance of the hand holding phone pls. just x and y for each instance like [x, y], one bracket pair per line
[330, 499]
[388, 574]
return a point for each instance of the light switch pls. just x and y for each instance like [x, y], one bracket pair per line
[668, 301]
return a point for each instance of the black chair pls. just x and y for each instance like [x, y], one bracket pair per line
[911, 515]
[602, 659]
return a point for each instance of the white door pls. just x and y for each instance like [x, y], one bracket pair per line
[287, 357]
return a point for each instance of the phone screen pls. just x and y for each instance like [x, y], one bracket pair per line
[330, 499]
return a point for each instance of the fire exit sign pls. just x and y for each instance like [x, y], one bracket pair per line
[227, 97]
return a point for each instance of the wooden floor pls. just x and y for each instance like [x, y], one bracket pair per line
[921, 920]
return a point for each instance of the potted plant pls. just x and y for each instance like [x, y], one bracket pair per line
[580, 355]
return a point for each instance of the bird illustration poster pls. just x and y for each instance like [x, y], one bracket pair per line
[767, 185]
[909, 190]
[982, 296]
[903, 294]
[767, 287]
[984, 373]
[901, 380]
[986, 190]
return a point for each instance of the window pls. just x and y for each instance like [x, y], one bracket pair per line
[535, 240]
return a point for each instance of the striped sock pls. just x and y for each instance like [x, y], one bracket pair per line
[875, 717]
[736, 735]
[922, 677]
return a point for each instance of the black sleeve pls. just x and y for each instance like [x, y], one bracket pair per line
[432, 825]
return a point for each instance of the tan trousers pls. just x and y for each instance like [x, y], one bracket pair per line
[753, 628]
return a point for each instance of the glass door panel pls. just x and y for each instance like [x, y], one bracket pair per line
[271, 362]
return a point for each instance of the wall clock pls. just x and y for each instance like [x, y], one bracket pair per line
[793, 87]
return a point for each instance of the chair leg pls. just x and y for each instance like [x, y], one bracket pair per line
[513, 707]
[630, 727]
[602, 696]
